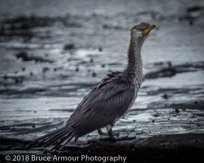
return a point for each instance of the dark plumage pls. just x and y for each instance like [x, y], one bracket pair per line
[109, 100]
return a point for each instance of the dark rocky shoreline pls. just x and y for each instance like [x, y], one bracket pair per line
[163, 148]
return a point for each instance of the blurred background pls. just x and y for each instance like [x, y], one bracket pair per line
[53, 53]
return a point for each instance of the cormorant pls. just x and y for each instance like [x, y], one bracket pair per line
[109, 100]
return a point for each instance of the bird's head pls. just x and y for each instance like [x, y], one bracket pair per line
[141, 31]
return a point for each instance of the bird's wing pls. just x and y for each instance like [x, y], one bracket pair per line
[102, 106]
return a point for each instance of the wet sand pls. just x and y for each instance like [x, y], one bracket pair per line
[158, 146]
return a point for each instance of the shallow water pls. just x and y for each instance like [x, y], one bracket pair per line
[38, 96]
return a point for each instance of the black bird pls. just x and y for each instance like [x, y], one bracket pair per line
[109, 100]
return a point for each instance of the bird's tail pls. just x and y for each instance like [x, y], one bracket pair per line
[56, 138]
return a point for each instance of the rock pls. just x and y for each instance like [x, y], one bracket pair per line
[5, 77]
[100, 49]
[77, 69]
[177, 110]
[94, 74]
[22, 25]
[69, 46]
[26, 57]
[166, 72]
[176, 104]
[45, 69]
[91, 60]
[192, 14]
[16, 79]
[165, 96]
[105, 26]
[169, 70]
[195, 9]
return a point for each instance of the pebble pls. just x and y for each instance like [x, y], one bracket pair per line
[94, 74]
[176, 110]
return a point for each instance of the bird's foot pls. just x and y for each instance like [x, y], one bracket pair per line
[106, 137]
[117, 138]
[111, 137]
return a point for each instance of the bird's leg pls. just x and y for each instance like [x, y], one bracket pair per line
[76, 138]
[100, 132]
[110, 133]
[113, 138]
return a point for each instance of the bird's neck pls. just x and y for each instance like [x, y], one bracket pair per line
[134, 68]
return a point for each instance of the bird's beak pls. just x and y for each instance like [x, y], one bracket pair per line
[146, 31]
